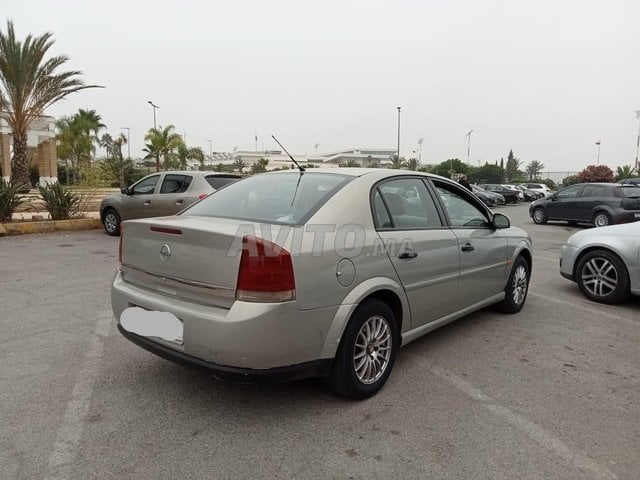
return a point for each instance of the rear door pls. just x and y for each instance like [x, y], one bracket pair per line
[172, 195]
[482, 249]
[590, 197]
[562, 205]
[423, 250]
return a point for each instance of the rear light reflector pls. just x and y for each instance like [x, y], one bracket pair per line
[203, 195]
[266, 272]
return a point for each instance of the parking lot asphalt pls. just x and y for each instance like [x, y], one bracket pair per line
[550, 393]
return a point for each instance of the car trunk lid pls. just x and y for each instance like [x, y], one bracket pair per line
[189, 257]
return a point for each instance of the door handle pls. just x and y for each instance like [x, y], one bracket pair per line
[408, 253]
[468, 247]
[179, 202]
[147, 202]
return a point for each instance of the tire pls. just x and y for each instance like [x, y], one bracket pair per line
[539, 216]
[517, 287]
[603, 277]
[350, 376]
[111, 221]
[602, 219]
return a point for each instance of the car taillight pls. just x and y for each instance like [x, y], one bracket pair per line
[120, 244]
[266, 272]
[203, 195]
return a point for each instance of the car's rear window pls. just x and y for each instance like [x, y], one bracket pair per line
[285, 198]
[219, 181]
[629, 191]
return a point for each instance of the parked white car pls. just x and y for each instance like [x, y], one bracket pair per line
[539, 187]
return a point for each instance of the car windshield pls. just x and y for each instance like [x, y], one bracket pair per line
[630, 191]
[285, 198]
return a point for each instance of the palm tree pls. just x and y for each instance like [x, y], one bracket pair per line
[533, 169]
[73, 143]
[239, 165]
[626, 171]
[30, 84]
[396, 162]
[162, 142]
[185, 153]
[412, 164]
[260, 166]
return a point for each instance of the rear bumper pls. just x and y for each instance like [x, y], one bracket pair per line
[316, 368]
[626, 216]
[247, 336]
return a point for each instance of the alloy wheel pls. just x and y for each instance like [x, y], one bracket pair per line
[599, 277]
[372, 350]
[110, 222]
[601, 220]
[519, 285]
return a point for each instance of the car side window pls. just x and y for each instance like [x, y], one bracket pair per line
[404, 204]
[146, 186]
[593, 191]
[175, 183]
[460, 208]
[570, 192]
[219, 181]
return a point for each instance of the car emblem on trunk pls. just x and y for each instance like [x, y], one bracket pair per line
[165, 253]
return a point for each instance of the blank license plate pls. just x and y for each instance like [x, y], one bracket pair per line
[149, 323]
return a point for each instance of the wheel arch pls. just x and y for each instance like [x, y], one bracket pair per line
[386, 290]
[593, 248]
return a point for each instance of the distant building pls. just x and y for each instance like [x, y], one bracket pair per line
[364, 157]
[41, 148]
[279, 159]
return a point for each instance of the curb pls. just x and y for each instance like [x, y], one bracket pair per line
[49, 226]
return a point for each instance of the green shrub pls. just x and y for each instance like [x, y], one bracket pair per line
[10, 199]
[34, 174]
[61, 203]
[570, 180]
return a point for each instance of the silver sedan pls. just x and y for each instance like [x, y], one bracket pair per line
[324, 273]
[604, 262]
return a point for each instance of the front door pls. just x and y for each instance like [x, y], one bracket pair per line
[482, 249]
[139, 203]
[562, 205]
[422, 249]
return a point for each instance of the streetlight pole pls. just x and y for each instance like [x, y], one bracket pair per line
[154, 113]
[399, 108]
[210, 151]
[598, 158]
[420, 140]
[128, 141]
[638, 143]
[468, 135]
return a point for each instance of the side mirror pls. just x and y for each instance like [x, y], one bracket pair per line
[501, 221]
[125, 191]
[554, 197]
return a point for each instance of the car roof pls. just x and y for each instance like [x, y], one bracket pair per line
[360, 172]
[197, 172]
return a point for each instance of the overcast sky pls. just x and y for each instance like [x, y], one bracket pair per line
[546, 78]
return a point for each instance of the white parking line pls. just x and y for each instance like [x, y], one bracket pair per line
[554, 260]
[65, 448]
[592, 308]
[538, 434]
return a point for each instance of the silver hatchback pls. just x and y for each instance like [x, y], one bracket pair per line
[325, 273]
[160, 194]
